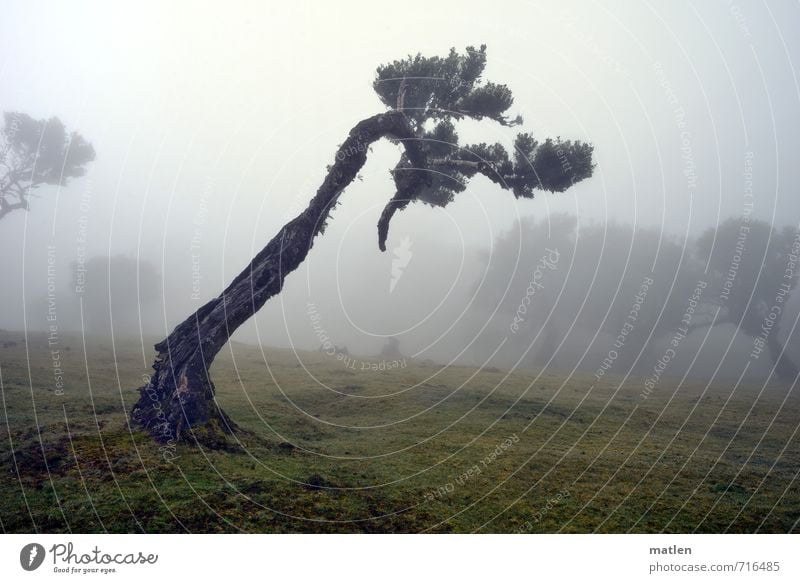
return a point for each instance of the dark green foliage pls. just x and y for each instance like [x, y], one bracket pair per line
[439, 88]
[554, 165]
[433, 92]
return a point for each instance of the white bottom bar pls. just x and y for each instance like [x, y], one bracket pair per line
[390, 558]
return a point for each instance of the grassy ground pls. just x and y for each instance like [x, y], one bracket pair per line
[329, 448]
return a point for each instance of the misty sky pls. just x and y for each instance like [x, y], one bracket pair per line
[215, 122]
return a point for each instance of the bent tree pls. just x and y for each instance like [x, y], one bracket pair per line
[425, 98]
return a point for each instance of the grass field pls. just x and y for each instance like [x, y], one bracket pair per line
[420, 448]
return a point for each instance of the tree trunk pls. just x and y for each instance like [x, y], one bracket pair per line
[178, 400]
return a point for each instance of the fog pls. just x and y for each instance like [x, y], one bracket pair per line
[214, 125]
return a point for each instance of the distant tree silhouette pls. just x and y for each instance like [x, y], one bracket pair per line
[34, 153]
[748, 264]
[116, 290]
[425, 96]
[584, 300]
[391, 349]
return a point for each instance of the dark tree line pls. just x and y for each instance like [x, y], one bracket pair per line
[741, 268]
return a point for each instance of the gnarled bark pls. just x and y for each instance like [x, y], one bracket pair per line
[179, 397]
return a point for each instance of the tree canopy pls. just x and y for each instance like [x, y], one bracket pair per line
[436, 92]
[35, 152]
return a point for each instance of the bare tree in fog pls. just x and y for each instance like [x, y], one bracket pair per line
[754, 273]
[35, 153]
[425, 96]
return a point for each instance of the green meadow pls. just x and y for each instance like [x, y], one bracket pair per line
[325, 446]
